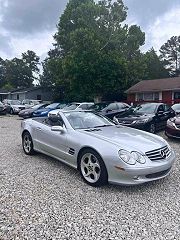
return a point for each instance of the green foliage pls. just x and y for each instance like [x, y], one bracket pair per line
[95, 51]
[170, 54]
[19, 72]
[155, 67]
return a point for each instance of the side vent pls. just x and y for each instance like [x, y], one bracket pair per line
[71, 151]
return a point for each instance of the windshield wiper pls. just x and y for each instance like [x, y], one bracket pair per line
[106, 125]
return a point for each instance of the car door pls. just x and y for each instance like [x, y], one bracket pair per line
[161, 116]
[51, 142]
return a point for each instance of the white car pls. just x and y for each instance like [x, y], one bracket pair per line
[73, 106]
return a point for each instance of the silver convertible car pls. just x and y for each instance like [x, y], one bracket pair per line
[102, 151]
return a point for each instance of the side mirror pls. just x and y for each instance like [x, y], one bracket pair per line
[58, 129]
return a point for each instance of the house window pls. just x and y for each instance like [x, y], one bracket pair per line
[150, 96]
[176, 95]
[156, 96]
[140, 97]
[17, 96]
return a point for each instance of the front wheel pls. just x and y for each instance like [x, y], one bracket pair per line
[27, 144]
[11, 111]
[92, 168]
[152, 128]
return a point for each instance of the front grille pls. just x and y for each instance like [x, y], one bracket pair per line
[158, 174]
[159, 154]
[125, 122]
[21, 108]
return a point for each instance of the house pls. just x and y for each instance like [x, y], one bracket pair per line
[3, 94]
[34, 93]
[165, 90]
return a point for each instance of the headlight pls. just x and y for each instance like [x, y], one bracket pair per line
[15, 109]
[131, 158]
[115, 120]
[143, 120]
[171, 122]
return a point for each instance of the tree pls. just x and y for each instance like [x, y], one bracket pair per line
[19, 72]
[155, 68]
[95, 49]
[170, 54]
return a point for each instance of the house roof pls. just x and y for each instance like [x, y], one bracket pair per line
[155, 85]
[24, 90]
[4, 92]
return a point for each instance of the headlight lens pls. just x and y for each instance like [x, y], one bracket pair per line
[131, 158]
[171, 122]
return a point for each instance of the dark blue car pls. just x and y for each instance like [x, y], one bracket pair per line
[44, 112]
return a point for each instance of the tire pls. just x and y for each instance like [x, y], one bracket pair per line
[152, 127]
[11, 111]
[27, 144]
[92, 168]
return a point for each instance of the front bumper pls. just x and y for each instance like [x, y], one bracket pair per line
[151, 171]
[172, 132]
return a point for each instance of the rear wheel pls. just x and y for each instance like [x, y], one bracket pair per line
[27, 144]
[92, 168]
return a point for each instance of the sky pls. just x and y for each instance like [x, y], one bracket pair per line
[30, 25]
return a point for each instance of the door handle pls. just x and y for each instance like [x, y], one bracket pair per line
[38, 128]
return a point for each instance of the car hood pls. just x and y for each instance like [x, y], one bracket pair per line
[128, 138]
[18, 106]
[27, 111]
[177, 119]
[135, 116]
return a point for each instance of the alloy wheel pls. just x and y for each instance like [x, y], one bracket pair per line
[90, 168]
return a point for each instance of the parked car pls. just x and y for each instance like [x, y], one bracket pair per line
[3, 109]
[98, 106]
[28, 113]
[30, 102]
[104, 152]
[77, 106]
[148, 116]
[113, 109]
[13, 106]
[72, 107]
[176, 108]
[44, 112]
[173, 127]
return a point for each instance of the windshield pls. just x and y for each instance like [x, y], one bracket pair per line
[53, 105]
[146, 108]
[37, 106]
[72, 106]
[176, 107]
[98, 106]
[14, 102]
[85, 120]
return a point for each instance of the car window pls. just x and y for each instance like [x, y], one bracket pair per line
[54, 121]
[161, 108]
[83, 106]
[112, 106]
[167, 108]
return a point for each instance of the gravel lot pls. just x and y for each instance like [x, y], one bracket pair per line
[41, 198]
